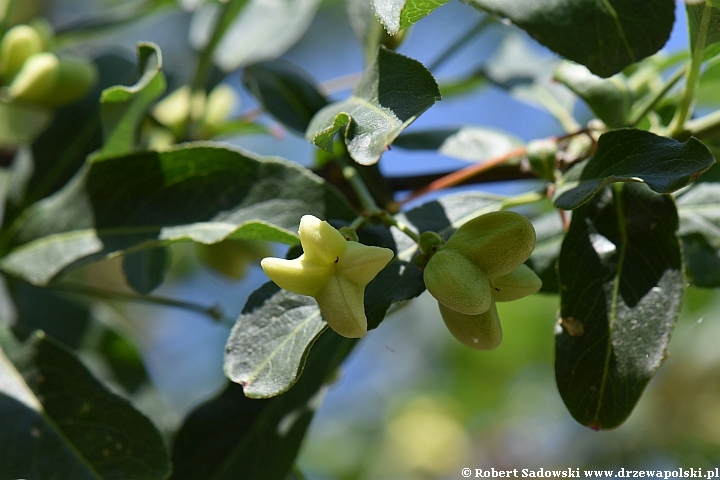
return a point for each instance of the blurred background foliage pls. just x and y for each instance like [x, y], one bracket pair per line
[410, 402]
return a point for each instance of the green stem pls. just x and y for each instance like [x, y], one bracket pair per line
[366, 199]
[704, 126]
[655, 97]
[213, 312]
[389, 220]
[523, 199]
[358, 222]
[455, 47]
[684, 111]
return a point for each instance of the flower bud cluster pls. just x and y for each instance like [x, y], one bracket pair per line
[35, 76]
[481, 264]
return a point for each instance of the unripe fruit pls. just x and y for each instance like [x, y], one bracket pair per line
[542, 156]
[517, 284]
[77, 77]
[429, 241]
[36, 79]
[456, 283]
[496, 242]
[481, 332]
[17, 45]
[231, 257]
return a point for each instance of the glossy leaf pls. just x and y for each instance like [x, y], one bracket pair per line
[621, 286]
[604, 36]
[398, 15]
[629, 155]
[285, 91]
[193, 192]
[63, 423]
[145, 270]
[266, 349]
[699, 210]
[392, 93]
[124, 108]
[233, 436]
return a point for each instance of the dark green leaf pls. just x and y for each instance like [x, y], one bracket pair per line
[398, 15]
[267, 345]
[145, 270]
[124, 360]
[193, 192]
[463, 85]
[549, 236]
[68, 425]
[424, 139]
[610, 99]
[471, 143]
[702, 263]
[621, 286]
[630, 155]
[232, 436]
[604, 36]
[392, 93]
[699, 210]
[124, 108]
[285, 91]
[43, 309]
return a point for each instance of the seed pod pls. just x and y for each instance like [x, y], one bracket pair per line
[542, 157]
[17, 45]
[76, 78]
[481, 332]
[517, 284]
[37, 78]
[496, 242]
[457, 283]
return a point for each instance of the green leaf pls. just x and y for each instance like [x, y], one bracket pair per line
[471, 143]
[20, 124]
[549, 237]
[256, 30]
[266, 349]
[621, 287]
[702, 263]
[694, 16]
[391, 94]
[124, 108]
[62, 423]
[285, 91]
[699, 210]
[232, 436]
[365, 26]
[398, 15]
[605, 36]
[630, 155]
[43, 309]
[708, 91]
[145, 270]
[609, 99]
[193, 192]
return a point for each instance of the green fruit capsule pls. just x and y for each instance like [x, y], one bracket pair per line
[481, 332]
[496, 243]
[517, 284]
[456, 283]
[17, 45]
[37, 78]
[75, 80]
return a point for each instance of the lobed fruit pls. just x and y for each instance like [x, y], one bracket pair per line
[481, 332]
[19, 43]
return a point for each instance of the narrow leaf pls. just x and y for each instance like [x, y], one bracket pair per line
[233, 436]
[267, 345]
[124, 108]
[68, 425]
[193, 192]
[630, 155]
[285, 91]
[621, 286]
[604, 36]
[398, 15]
[392, 93]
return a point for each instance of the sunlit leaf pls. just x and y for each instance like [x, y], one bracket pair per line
[630, 155]
[392, 93]
[195, 192]
[398, 15]
[621, 286]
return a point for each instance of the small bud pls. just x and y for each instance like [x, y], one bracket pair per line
[481, 332]
[37, 78]
[349, 234]
[19, 43]
[430, 241]
[542, 157]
